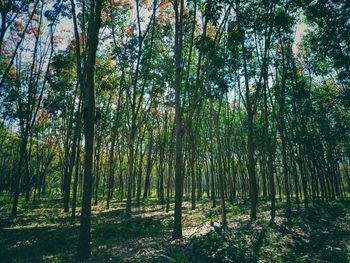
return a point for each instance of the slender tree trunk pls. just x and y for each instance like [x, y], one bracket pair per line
[177, 230]
[76, 178]
[84, 246]
[149, 167]
[251, 168]
[220, 166]
[283, 136]
[18, 176]
[130, 170]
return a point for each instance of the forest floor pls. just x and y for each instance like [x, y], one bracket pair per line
[42, 232]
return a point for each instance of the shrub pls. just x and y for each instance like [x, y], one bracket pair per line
[218, 246]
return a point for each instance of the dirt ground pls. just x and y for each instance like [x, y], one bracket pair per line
[44, 233]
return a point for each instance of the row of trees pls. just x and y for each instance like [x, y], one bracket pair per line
[174, 98]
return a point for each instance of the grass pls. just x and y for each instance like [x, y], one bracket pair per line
[44, 233]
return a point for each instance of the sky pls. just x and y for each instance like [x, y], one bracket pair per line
[299, 33]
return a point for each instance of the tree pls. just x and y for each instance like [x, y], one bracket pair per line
[84, 246]
[178, 38]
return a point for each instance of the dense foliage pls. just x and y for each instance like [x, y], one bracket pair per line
[126, 100]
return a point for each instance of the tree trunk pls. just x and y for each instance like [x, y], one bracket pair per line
[84, 246]
[177, 230]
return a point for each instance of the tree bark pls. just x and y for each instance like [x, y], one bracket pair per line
[177, 229]
[84, 246]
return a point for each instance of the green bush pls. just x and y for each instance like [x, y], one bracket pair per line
[218, 246]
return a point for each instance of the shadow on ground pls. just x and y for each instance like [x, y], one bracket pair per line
[43, 233]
